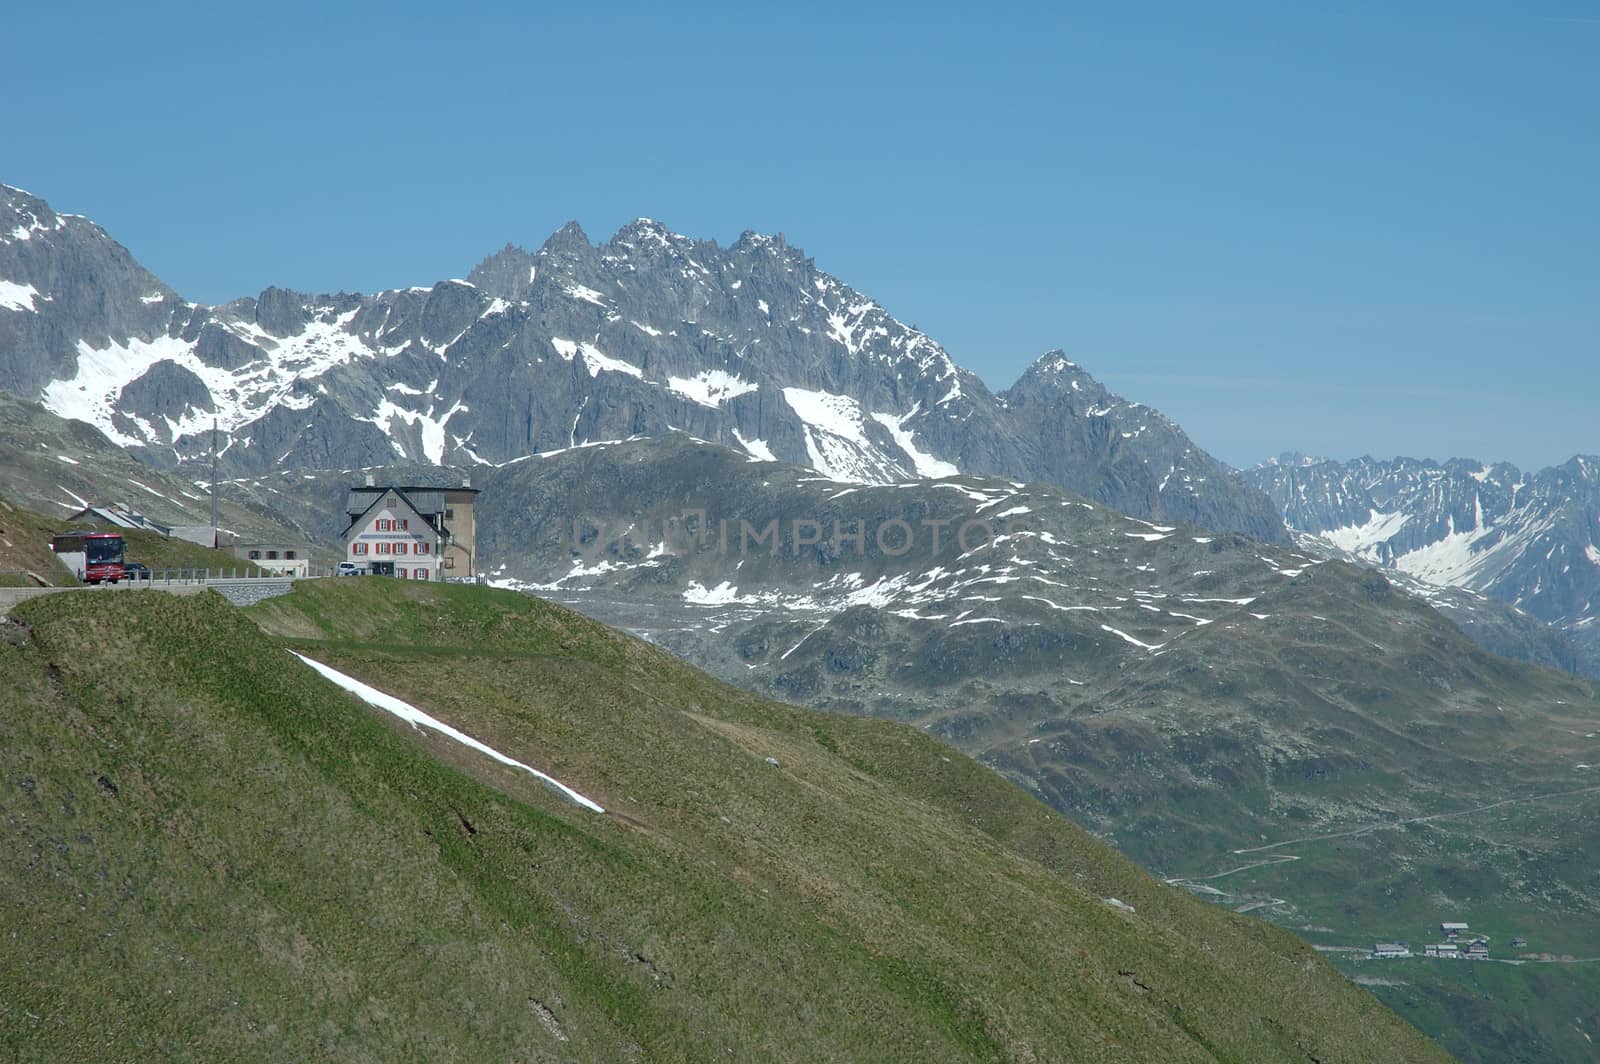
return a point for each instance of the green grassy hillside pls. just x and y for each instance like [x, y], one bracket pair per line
[212, 853]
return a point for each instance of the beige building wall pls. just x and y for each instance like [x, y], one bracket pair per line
[460, 555]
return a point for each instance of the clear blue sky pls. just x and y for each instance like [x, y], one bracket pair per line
[1343, 228]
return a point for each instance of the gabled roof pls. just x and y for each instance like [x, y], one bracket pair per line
[378, 500]
[119, 517]
[423, 499]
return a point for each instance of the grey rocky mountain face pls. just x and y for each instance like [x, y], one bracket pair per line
[1529, 539]
[648, 333]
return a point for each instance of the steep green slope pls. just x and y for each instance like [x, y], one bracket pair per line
[212, 853]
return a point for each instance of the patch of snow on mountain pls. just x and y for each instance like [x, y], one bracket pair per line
[594, 359]
[839, 415]
[14, 296]
[1449, 559]
[711, 387]
[700, 595]
[585, 294]
[836, 441]
[757, 449]
[925, 464]
[431, 427]
[1363, 540]
[1130, 639]
[598, 360]
[101, 375]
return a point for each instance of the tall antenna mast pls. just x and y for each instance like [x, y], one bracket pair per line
[214, 541]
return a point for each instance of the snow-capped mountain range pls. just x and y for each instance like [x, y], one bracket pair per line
[650, 332]
[1530, 539]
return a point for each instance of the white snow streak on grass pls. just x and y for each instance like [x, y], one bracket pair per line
[420, 720]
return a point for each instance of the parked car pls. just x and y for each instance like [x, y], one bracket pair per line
[351, 569]
[135, 571]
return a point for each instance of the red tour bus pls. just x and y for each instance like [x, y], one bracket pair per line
[92, 556]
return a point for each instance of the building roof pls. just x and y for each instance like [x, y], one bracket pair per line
[425, 500]
[374, 501]
[121, 518]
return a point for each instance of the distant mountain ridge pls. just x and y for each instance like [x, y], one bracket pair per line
[650, 332]
[1530, 539]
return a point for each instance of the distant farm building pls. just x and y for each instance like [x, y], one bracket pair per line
[1391, 949]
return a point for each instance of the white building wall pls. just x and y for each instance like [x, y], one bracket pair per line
[377, 540]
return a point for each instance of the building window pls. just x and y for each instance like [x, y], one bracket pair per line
[288, 555]
[424, 548]
[402, 574]
[405, 524]
[400, 548]
[422, 574]
[255, 555]
[358, 548]
[272, 554]
[449, 562]
[449, 514]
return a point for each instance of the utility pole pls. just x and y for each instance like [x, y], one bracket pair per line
[214, 541]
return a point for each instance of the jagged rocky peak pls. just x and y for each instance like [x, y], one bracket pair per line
[570, 239]
[1054, 372]
[646, 233]
[652, 332]
[281, 312]
[508, 274]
